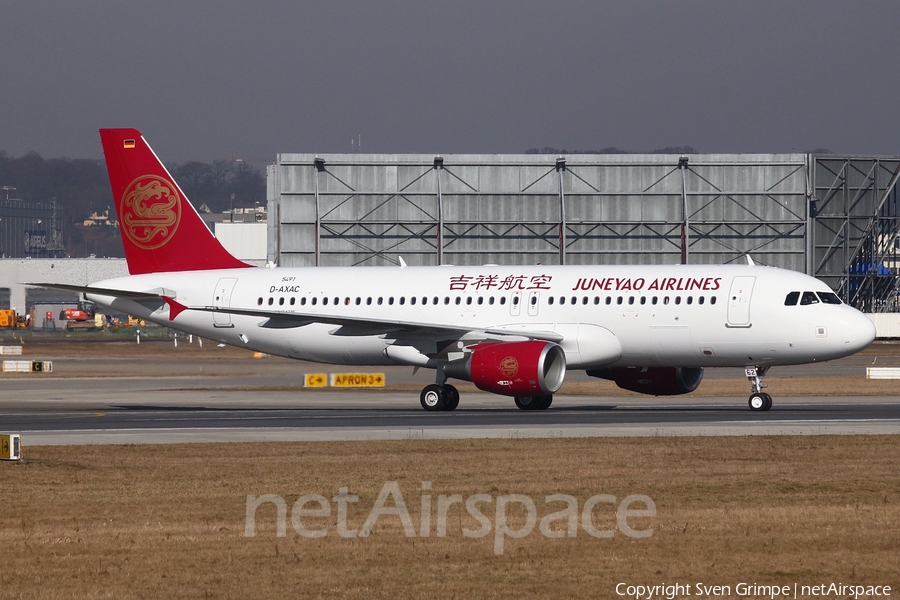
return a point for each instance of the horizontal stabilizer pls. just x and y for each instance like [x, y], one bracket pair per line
[88, 289]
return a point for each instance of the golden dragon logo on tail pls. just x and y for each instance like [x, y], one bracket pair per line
[150, 211]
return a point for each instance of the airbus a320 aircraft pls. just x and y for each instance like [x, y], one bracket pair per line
[511, 330]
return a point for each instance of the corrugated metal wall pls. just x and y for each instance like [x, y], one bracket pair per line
[346, 209]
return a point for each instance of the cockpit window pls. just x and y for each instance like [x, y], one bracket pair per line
[829, 298]
[791, 299]
[809, 298]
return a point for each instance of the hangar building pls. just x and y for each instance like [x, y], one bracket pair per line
[834, 217]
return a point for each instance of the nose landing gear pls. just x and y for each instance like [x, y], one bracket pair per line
[759, 400]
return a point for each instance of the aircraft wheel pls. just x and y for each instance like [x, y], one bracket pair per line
[768, 399]
[432, 397]
[758, 402]
[534, 402]
[526, 402]
[451, 397]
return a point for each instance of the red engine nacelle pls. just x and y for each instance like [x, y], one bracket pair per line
[531, 368]
[655, 381]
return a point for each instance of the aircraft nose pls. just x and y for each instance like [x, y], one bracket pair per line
[859, 332]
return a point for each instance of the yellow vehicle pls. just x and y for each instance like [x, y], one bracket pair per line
[10, 319]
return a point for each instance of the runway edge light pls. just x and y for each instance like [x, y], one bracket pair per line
[10, 446]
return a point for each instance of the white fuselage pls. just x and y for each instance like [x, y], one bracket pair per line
[687, 316]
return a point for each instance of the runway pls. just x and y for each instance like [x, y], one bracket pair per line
[174, 416]
[173, 399]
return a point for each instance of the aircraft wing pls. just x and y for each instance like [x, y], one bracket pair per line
[350, 326]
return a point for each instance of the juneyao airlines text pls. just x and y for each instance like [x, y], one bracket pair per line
[624, 284]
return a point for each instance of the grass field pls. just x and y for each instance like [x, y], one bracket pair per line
[169, 521]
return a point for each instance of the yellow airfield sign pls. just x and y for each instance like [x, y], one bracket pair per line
[356, 379]
[315, 380]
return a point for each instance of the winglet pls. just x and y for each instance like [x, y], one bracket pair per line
[175, 307]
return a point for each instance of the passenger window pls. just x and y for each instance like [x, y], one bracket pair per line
[643, 299]
[480, 300]
[293, 300]
[677, 299]
[402, 300]
[369, 301]
[281, 301]
[596, 300]
[260, 301]
[655, 300]
[515, 300]
[458, 299]
[358, 300]
[324, 301]
[412, 300]
[469, 300]
[314, 300]
[666, 300]
[712, 300]
[630, 299]
[809, 298]
[574, 300]
[690, 299]
[380, 300]
[791, 299]
[302, 301]
[271, 300]
[562, 299]
[502, 300]
[609, 299]
[550, 300]
[700, 300]
[491, 300]
[619, 300]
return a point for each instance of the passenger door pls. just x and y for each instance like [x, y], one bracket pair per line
[739, 301]
[222, 298]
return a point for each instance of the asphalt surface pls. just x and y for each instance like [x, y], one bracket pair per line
[214, 415]
[221, 401]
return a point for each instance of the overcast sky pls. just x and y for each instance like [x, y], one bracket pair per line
[219, 79]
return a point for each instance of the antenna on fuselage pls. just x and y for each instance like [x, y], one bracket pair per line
[750, 262]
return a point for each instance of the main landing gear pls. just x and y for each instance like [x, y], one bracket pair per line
[534, 402]
[439, 397]
[759, 400]
[446, 397]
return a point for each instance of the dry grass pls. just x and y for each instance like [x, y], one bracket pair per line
[168, 521]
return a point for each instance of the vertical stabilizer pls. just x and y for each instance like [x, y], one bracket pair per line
[161, 230]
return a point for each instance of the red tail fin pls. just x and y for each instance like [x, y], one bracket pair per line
[160, 228]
